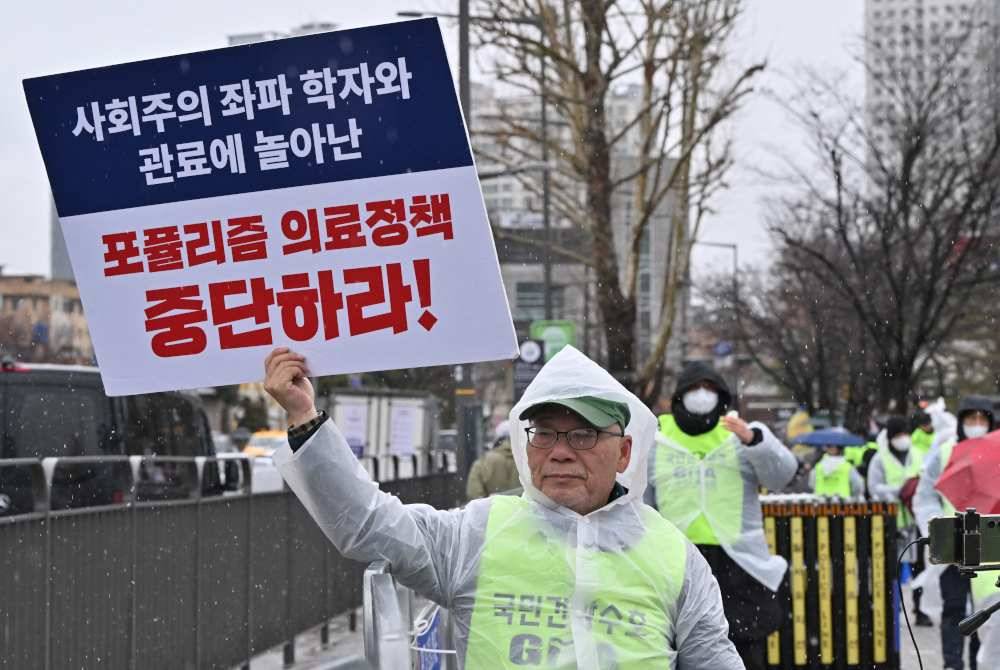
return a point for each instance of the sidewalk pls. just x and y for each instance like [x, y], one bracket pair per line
[928, 639]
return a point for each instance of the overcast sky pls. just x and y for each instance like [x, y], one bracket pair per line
[50, 36]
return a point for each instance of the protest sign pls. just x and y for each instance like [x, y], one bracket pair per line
[317, 192]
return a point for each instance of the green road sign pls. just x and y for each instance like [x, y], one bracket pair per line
[555, 335]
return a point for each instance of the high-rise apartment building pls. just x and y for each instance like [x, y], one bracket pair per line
[906, 40]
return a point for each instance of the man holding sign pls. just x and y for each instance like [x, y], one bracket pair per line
[576, 573]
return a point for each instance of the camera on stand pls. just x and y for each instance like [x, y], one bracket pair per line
[970, 541]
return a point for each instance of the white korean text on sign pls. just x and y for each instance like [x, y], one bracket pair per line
[316, 192]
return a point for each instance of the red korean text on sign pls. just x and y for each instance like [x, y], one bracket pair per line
[306, 304]
[120, 250]
[247, 238]
[260, 299]
[387, 219]
[399, 294]
[299, 317]
[301, 229]
[204, 243]
[386, 283]
[343, 227]
[433, 216]
[163, 249]
[174, 316]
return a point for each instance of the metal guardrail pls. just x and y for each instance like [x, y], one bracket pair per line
[386, 619]
[393, 638]
[146, 562]
[840, 606]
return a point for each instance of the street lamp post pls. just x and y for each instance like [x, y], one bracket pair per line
[546, 221]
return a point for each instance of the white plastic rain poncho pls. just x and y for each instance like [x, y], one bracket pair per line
[729, 480]
[945, 423]
[878, 488]
[530, 583]
[928, 504]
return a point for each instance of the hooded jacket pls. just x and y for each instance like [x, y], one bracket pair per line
[927, 501]
[493, 472]
[691, 375]
[975, 403]
[439, 553]
[766, 463]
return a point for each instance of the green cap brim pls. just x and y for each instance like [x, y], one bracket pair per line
[597, 412]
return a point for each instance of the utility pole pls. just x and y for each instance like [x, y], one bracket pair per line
[546, 220]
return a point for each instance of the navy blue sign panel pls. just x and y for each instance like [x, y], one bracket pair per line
[320, 108]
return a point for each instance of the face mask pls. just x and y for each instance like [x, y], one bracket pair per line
[972, 432]
[700, 401]
[901, 443]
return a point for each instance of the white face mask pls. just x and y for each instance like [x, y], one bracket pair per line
[700, 401]
[901, 442]
[972, 432]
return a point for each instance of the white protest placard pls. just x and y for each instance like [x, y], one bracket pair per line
[402, 426]
[351, 417]
[317, 192]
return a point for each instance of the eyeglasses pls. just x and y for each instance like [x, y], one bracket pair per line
[579, 439]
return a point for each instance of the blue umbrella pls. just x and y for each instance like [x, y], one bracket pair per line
[830, 437]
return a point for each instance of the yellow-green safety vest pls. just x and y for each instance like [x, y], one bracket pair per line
[836, 483]
[984, 585]
[533, 590]
[856, 455]
[921, 442]
[698, 483]
[896, 475]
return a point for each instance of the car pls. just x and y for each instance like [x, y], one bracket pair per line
[265, 442]
[63, 411]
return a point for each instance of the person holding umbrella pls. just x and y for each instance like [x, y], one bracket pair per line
[955, 474]
[834, 475]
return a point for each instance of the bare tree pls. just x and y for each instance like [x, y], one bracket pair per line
[792, 327]
[894, 214]
[673, 53]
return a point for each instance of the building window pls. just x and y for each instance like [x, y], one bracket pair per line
[530, 300]
[644, 321]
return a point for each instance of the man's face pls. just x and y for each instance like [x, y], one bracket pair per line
[579, 480]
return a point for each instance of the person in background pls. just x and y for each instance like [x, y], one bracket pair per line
[706, 471]
[494, 471]
[834, 476]
[891, 470]
[975, 419]
[923, 436]
[859, 457]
